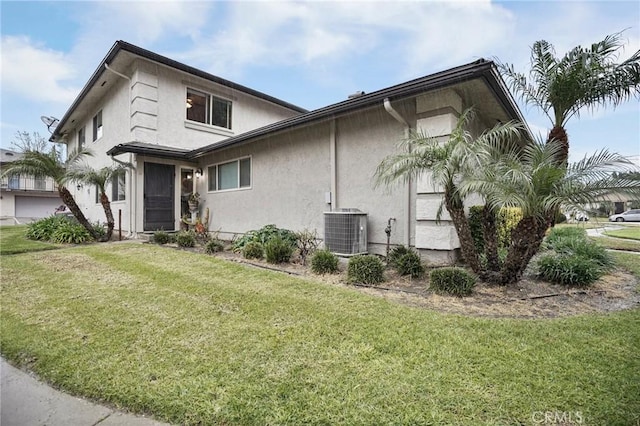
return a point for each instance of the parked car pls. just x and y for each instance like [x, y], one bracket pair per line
[628, 216]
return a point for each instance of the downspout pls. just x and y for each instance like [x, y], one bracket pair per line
[132, 174]
[407, 198]
[334, 172]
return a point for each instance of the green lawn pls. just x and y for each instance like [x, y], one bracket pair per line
[12, 241]
[631, 233]
[192, 339]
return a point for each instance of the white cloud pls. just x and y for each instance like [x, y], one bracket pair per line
[35, 72]
[419, 36]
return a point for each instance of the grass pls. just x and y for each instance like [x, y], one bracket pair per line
[631, 233]
[192, 339]
[628, 261]
[12, 241]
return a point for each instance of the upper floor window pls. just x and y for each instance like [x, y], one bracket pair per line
[117, 188]
[97, 126]
[81, 138]
[208, 109]
[232, 175]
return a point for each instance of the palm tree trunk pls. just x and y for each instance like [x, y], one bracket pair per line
[70, 202]
[559, 134]
[106, 205]
[490, 236]
[525, 242]
[461, 223]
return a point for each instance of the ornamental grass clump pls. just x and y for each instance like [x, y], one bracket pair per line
[186, 239]
[324, 262]
[571, 259]
[253, 250]
[213, 246]
[410, 264]
[365, 269]
[452, 281]
[161, 237]
[278, 250]
[395, 254]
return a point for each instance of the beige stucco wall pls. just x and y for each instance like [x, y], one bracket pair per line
[150, 108]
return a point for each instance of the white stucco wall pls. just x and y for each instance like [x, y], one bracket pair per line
[7, 204]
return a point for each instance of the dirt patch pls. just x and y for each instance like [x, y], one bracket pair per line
[529, 298]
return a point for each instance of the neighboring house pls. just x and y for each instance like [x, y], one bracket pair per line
[257, 160]
[25, 197]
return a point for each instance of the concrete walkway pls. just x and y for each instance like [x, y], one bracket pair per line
[26, 401]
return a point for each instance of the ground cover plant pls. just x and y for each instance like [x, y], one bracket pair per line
[225, 343]
[12, 240]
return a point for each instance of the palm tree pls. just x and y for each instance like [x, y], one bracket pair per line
[43, 165]
[100, 178]
[529, 178]
[582, 78]
[447, 161]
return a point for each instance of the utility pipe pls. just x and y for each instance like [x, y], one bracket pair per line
[407, 129]
[334, 171]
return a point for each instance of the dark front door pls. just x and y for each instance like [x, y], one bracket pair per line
[159, 204]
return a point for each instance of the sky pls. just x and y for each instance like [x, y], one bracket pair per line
[309, 53]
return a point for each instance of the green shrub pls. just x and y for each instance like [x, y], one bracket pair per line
[573, 259]
[395, 254]
[324, 262]
[506, 221]
[451, 280]
[42, 230]
[253, 250]
[186, 239]
[70, 233]
[365, 269]
[568, 270]
[264, 235]
[161, 237]
[277, 250]
[410, 264]
[213, 246]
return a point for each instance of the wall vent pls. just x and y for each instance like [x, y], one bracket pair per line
[345, 232]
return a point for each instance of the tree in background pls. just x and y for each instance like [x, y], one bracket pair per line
[48, 164]
[564, 86]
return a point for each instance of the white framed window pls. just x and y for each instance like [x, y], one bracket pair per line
[81, 137]
[208, 109]
[97, 126]
[230, 175]
[118, 188]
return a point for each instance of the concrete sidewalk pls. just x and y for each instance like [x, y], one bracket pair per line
[27, 401]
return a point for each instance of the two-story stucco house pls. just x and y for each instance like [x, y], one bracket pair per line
[24, 198]
[257, 160]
